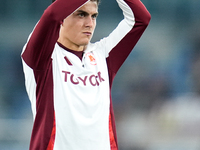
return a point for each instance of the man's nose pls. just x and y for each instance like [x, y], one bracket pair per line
[89, 21]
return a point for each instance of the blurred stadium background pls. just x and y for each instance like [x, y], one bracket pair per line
[156, 93]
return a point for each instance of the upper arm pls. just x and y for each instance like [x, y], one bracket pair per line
[39, 47]
[138, 20]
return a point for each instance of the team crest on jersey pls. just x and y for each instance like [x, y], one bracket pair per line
[91, 58]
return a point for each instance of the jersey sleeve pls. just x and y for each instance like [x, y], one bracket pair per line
[39, 47]
[122, 40]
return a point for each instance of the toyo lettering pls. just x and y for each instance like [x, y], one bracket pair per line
[94, 80]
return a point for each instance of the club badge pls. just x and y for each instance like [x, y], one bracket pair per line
[91, 58]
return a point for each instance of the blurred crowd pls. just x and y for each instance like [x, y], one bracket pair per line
[156, 93]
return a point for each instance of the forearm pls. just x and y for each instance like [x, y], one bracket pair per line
[60, 9]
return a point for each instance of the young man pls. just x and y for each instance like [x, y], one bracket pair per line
[69, 79]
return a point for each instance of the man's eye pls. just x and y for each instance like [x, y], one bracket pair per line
[81, 15]
[94, 16]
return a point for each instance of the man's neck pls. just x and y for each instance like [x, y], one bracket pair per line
[71, 46]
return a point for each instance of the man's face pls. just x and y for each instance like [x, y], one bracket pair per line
[78, 28]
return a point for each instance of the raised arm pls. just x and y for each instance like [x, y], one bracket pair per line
[136, 19]
[38, 49]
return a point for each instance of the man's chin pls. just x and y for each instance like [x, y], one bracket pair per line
[84, 43]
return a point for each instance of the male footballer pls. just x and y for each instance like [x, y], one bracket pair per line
[69, 79]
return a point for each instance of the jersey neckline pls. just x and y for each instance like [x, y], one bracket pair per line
[79, 54]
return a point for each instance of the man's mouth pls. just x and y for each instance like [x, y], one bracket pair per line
[87, 33]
